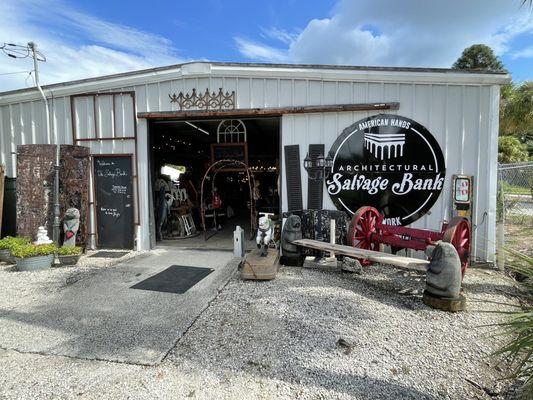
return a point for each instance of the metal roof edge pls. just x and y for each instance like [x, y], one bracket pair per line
[305, 71]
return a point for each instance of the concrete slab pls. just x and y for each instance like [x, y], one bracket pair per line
[100, 317]
[222, 240]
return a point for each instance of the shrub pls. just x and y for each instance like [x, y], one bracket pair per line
[69, 251]
[30, 250]
[519, 326]
[9, 242]
[511, 150]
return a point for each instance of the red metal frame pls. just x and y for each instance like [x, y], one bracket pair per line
[368, 231]
[404, 237]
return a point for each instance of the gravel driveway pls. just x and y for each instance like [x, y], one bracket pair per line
[279, 339]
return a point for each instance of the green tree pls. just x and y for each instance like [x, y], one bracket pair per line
[517, 111]
[511, 150]
[479, 57]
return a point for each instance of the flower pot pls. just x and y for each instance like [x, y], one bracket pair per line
[68, 260]
[5, 256]
[34, 263]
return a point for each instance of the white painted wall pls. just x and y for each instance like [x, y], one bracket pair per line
[460, 109]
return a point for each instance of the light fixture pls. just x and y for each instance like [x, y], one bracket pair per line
[197, 127]
[316, 169]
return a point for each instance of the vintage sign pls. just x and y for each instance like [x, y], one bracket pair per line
[389, 162]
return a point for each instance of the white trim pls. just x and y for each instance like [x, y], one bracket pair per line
[203, 69]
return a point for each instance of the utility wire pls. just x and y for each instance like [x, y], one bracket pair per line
[19, 51]
[12, 73]
[28, 77]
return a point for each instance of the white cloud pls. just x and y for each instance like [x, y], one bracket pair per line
[260, 52]
[403, 33]
[328, 41]
[76, 45]
[279, 34]
[523, 53]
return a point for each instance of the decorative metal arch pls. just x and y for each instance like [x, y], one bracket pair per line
[221, 164]
[231, 128]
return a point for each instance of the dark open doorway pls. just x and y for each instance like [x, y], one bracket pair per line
[190, 147]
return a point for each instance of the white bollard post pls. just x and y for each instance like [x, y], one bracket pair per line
[238, 242]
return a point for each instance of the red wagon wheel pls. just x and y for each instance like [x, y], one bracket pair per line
[361, 229]
[458, 234]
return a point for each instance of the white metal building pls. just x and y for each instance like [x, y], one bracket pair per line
[315, 103]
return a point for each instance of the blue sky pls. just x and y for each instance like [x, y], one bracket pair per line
[90, 38]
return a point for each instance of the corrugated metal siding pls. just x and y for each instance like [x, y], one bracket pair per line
[463, 118]
[458, 117]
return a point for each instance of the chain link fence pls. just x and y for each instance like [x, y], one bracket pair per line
[516, 193]
[515, 210]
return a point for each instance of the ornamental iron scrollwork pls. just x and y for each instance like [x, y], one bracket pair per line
[205, 101]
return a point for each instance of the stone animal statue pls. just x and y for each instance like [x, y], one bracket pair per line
[443, 277]
[71, 224]
[292, 230]
[265, 233]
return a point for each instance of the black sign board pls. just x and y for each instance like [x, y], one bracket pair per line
[389, 162]
[114, 201]
[229, 151]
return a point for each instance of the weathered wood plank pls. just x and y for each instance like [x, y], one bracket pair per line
[375, 256]
[278, 111]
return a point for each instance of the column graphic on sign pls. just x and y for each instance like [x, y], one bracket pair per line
[378, 144]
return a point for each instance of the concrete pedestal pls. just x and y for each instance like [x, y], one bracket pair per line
[445, 303]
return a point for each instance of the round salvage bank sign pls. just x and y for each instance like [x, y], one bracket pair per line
[389, 162]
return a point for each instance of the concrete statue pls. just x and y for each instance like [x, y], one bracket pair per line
[71, 224]
[265, 233]
[292, 230]
[42, 236]
[443, 279]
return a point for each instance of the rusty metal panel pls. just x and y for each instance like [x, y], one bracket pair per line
[74, 185]
[35, 182]
[35, 174]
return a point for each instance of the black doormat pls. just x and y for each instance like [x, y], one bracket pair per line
[109, 254]
[174, 279]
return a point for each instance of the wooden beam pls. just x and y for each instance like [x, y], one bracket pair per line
[267, 112]
[375, 256]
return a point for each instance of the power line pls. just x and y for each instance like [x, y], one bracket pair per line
[15, 72]
[22, 51]
[26, 80]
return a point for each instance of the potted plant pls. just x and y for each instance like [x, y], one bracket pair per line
[69, 255]
[8, 243]
[31, 257]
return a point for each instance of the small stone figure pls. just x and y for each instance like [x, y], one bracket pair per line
[292, 230]
[265, 233]
[348, 264]
[42, 236]
[443, 278]
[71, 224]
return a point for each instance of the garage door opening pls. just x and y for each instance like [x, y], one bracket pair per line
[181, 152]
